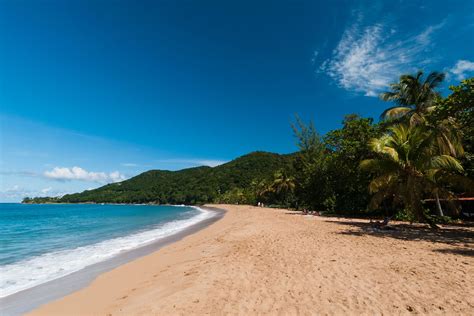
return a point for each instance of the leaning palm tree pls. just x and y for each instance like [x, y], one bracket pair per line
[414, 97]
[409, 168]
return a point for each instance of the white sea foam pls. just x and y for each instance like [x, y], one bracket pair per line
[25, 274]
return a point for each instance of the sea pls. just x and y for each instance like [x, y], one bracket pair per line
[43, 242]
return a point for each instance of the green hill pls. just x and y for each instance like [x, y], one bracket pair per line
[188, 186]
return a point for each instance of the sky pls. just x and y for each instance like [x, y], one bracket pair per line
[93, 92]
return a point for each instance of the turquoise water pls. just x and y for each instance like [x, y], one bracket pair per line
[43, 242]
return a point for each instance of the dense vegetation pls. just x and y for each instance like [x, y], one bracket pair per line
[421, 149]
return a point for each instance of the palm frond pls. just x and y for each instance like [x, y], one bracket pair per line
[395, 112]
[434, 79]
[382, 182]
[446, 162]
[458, 181]
[378, 165]
[411, 91]
[377, 144]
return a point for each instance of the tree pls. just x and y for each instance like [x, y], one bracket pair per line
[417, 100]
[326, 171]
[283, 186]
[233, 196]
[346, 147]
[414, 97]
[261, 190]
[311, 183]
[458, 110]
[408, 168]
[309, 140]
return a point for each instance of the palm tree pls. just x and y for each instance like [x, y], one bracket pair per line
[443, 179]
[283, 185]
[409, 167]
[261, 189]
[413, 96]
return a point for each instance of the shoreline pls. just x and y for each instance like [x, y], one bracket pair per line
[27, 300]
[102, 203]
[275, 261]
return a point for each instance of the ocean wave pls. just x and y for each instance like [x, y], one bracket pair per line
[28, 273]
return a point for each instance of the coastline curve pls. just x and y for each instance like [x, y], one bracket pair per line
[26, 300]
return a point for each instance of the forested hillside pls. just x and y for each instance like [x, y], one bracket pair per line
[188, 186]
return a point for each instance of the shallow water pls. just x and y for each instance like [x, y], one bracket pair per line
[43, 242]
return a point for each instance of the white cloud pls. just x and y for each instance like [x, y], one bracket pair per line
[116, 176]
[77, 173]
[462, 68]
[424, 38]
[369, 58]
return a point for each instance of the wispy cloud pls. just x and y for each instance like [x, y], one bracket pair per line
[368, 58]
[425, 37]
[462, 69]
[78, 173]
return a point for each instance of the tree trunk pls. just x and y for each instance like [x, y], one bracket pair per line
[438, 205]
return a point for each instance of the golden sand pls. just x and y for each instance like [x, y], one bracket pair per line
[267, 261]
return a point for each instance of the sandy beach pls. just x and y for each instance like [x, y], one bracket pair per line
[268, 261]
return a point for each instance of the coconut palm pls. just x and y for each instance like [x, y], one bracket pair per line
[409, 168]
[261, 189]
[414, 96]
[283, 185]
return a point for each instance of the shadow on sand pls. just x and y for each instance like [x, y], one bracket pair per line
[459, 236]
[464, 252]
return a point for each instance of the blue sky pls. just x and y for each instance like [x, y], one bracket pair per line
[93, 92]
